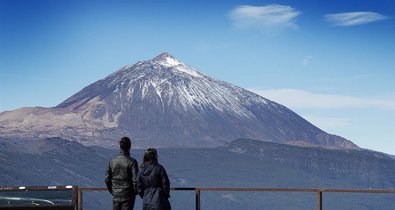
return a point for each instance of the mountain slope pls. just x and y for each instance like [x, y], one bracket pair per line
[241, 163]
[163, 102]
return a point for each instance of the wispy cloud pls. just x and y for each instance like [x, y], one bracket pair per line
[354, 18]
[301, 99]
[306, 60]
[329, 122]
[270, 17]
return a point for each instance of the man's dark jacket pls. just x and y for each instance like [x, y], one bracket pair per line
[121, 177]
[154, 187]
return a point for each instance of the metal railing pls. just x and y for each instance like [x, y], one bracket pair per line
[198, 190]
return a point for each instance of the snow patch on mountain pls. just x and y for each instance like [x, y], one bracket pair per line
[169, 62]
[166, 60]
[188, 70]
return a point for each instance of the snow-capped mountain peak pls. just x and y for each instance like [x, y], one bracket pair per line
[168, 61]
[164, 102]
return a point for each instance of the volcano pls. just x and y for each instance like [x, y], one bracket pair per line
[163, 102]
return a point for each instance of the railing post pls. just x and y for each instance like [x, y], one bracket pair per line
[79, 200]
[197, 199]
[319, 200]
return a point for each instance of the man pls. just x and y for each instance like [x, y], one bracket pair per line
[121, 177]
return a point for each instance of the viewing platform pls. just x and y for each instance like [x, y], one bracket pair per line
[71, 197]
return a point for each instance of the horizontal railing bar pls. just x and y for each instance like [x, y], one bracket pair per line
[262, 189]
[38, 188]
[183, 188]
[103, 188]
[255, 189]
[296, 190]
[358, 190]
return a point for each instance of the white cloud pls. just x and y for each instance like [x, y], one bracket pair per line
[329, 122]
[354, 18]
[300, 99]
[306, 60]
[270, 17]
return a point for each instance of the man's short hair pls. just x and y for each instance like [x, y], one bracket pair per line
[125, 143]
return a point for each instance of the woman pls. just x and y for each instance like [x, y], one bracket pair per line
[153, 185]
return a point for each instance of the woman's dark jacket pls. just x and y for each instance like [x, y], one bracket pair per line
[154, 187]
[121, 177]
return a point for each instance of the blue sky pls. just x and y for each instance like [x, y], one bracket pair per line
[332, 62]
